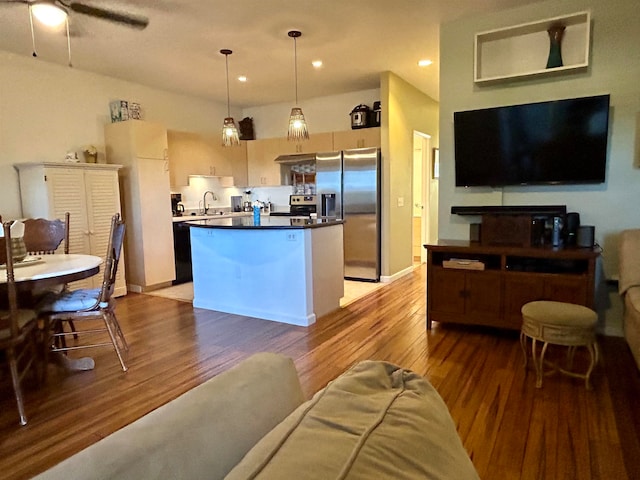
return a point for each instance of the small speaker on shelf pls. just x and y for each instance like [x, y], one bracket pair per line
[586, 236]
[571, 228]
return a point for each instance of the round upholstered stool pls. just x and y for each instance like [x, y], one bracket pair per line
[559, 323]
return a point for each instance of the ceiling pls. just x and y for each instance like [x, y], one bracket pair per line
[179, 50]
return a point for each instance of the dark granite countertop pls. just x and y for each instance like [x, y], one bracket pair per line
[265, 222]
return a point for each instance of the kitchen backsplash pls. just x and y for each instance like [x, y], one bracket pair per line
[192, 194]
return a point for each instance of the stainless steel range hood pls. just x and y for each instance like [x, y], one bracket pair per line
[297, 158]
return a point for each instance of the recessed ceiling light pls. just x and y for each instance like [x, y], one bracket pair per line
[424, 63]
[317, 63]
[242, 78]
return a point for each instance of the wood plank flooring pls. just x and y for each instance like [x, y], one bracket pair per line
[510, 429]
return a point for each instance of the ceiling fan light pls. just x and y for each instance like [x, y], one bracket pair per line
[49, 14]
[297, 126]
[229, 132]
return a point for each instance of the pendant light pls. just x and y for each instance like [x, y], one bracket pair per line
[229, 130]
[297, 124]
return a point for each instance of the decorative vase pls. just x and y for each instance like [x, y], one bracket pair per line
[556, 32]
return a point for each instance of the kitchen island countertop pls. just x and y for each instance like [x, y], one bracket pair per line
[266, 221]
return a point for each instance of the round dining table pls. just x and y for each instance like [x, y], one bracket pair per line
[48, 270]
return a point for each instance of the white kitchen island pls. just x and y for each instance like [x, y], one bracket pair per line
[285, 269]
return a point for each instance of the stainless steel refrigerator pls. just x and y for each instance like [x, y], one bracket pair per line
[348, 187]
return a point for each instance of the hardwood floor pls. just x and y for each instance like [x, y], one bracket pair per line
[510, 429]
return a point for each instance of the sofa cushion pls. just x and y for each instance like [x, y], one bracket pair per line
[374, 421]
[201, 434]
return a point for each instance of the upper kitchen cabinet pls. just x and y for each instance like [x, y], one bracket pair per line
[141, 148]
[91, 195]
[135, 137]
[237, 156]
[261, 165]
[357, 138]
[261, 155]
[318, 142]
[196, 154]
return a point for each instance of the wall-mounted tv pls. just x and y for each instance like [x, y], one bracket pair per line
[556, 142]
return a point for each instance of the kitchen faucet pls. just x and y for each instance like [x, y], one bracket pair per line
[204, 200]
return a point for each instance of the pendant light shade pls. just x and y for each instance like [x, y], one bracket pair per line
[297, 124]
[229, 129]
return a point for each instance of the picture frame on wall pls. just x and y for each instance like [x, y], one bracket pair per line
[435, 163]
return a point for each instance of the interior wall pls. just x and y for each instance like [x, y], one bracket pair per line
[48, 110]
[408, 110]
[614, 68]
[323, 114]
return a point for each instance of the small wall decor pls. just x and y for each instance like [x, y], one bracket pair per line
[122, 110]
[556, 32]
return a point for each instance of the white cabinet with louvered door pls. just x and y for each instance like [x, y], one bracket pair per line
[89, 192]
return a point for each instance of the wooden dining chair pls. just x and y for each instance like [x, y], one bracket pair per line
[90, 305]
[17, 331]
[42, 236]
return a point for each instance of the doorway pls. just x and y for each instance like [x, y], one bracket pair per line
[424, 196]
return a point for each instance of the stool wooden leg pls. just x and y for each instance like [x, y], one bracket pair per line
[570, 354]
[593, 351]
[537, 362]
[541, 365]
[523, 344]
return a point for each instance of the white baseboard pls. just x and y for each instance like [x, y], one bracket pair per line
[397, 275]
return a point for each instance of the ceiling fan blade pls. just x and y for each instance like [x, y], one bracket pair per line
[134, 21]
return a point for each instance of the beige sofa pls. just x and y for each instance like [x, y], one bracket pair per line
[374, 421]
[629, 288]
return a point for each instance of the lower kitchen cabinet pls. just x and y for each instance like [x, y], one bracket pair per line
[89, 192]
[512, 276]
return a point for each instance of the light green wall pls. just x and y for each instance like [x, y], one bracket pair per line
[614, 68]
[405, 109]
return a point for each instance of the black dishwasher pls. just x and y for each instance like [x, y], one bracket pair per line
[182, 252]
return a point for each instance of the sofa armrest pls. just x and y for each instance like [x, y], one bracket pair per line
[201, 434]
[629, 259]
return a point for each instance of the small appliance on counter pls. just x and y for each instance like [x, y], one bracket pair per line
[360, 117]
[236, 203]
[177, 208]
[375, 114]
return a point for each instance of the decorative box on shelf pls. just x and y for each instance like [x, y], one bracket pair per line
[463, 263]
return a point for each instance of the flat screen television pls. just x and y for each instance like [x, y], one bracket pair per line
[556, 142]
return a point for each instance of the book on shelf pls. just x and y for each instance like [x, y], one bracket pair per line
[463, 263]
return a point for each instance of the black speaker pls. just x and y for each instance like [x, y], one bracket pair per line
[586, 236]
[571, 228]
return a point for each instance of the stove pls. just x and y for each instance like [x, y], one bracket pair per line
[299, 206]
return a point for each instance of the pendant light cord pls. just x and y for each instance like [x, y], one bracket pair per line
[226, 61]
[295, 66]
[66, 20]
[33, 35]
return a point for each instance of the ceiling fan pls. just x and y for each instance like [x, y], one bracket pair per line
[55, 12]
